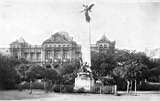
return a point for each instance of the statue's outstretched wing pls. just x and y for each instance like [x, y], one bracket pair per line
[85, 6]
[90, 7]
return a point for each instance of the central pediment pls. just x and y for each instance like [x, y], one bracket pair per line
[104, 39]
[59, 37]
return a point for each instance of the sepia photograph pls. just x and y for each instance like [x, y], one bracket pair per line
[80, 50]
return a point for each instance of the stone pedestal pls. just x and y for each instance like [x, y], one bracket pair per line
[84, 81]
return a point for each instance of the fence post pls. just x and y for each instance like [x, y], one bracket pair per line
[100, 89]
[115, 89]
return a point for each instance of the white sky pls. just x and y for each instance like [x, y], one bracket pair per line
[133, 24]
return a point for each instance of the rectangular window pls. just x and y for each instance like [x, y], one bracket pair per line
[39, 56]
[25, 55]
[32, 56]
[57, 54]
[66, 54]
[48, 54]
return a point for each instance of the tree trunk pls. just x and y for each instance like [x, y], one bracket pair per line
[128, 86]
[47, 86]
[30, 86]
[115, 89]
[135, 88]
[131, 86]
[43, 84]
[60, 88]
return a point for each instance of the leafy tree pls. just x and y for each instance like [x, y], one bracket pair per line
[21, 71]
[131, 68]
[8, 74]
[125, 65]
[66, 74]
[35, 72]
[102, 64]
[51, 74]
[69, 73]
[68, 68]
[154, 74]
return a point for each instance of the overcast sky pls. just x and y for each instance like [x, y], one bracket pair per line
[133, 24]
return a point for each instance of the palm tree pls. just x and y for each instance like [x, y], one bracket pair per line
[87, 10]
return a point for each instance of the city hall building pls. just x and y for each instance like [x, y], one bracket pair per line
[60, 47]
[104, 45]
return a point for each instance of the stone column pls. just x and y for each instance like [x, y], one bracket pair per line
[61, 54]
[43, 54]
[20, 53]
[29, 54]
[52, 55]
[70, 54]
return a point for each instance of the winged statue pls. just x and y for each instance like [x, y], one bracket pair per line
[86, 11]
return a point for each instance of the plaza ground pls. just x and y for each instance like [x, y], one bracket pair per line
[39, 95]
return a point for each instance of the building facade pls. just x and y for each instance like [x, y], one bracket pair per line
[60, 47]
[152, 53]
[104, 45]
[5, 51]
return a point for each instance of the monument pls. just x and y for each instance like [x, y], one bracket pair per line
[84, 79]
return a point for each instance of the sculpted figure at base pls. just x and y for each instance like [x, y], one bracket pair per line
[84, 79]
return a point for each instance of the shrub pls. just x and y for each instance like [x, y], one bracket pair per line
[56, 88]
[150, 87]
[68, 89]
[81, 90]
[35, 85]
[107, 89]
